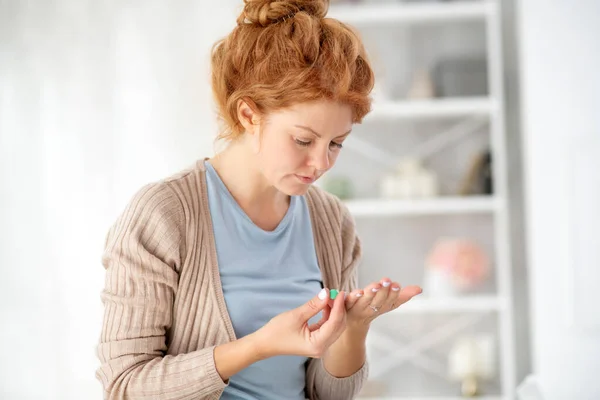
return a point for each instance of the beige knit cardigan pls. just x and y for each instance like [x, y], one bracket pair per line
[164, 310]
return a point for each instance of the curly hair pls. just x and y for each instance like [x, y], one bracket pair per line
[285, 52]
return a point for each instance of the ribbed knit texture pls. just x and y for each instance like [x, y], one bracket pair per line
[164, 306]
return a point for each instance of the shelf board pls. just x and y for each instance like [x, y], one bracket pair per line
[373, 14]
[429, 109]
[440, 205]
[455, 305]
[431, 398]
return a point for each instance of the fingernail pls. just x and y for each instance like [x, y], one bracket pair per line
[375, 289]
[359, 294]
[322, 294]
[386, 283]
[395, 289]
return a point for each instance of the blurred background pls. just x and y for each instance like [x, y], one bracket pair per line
[477, 176]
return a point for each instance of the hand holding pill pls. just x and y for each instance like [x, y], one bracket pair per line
[289, 333]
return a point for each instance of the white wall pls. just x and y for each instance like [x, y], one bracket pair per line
[560, 61]
[96, 99]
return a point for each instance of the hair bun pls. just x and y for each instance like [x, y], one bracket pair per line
[266, 12]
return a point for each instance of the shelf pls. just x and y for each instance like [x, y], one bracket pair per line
[453, 305]
[433, 398]
[455, 29]
[429, 109]
[372, 14]
[441, 205]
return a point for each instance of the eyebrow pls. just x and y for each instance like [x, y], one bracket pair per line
[317, 134]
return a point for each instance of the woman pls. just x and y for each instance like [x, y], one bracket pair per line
[217, 278]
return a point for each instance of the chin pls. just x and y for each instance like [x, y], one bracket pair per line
[294, 190]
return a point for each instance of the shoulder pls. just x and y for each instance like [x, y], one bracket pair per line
[152, 212]
[166, 200]
[186, 187]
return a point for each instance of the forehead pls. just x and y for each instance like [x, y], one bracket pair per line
[326, 117]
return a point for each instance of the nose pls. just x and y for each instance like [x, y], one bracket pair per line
[320, 159]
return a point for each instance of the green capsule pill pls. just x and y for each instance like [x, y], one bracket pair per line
[333, 293]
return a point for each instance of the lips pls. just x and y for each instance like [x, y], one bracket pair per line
[306, 179]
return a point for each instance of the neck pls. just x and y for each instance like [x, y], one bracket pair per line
[238, 169]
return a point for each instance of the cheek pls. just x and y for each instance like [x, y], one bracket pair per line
[292, 154]
[333, 157]
[283, 156]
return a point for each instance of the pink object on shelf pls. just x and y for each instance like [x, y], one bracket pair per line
[461, 260]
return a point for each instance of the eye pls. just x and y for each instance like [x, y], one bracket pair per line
[302, 142]
[336, 145]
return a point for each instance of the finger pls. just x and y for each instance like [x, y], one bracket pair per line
[392, 298]
[313, 306]
[369, 293]
[380, 298]
[338, 311]
[395, 288]
[332, 328]
[353, 297]
[324, 317]
[404, 295]
[408, 293]
[386, 282]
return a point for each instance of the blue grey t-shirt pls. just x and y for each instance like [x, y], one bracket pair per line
[263, 273]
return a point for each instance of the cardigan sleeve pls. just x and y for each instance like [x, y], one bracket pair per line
[143, 252]
[321, 385]
[351, 251]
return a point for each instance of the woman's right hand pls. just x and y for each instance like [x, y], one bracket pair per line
[289, 333]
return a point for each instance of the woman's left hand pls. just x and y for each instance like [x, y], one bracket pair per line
[378, 298]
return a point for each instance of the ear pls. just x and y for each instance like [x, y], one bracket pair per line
[248, 116]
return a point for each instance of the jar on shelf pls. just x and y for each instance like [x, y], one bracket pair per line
[411, 180]
[455, 266]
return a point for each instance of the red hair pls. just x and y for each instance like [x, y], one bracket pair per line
[286, 52]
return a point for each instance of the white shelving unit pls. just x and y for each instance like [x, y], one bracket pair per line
[443, 398]
[368, 14]
[458, 305]
[373, 15]
[437, 206]
[431, 109]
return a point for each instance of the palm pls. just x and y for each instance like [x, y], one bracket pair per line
[376, 299]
